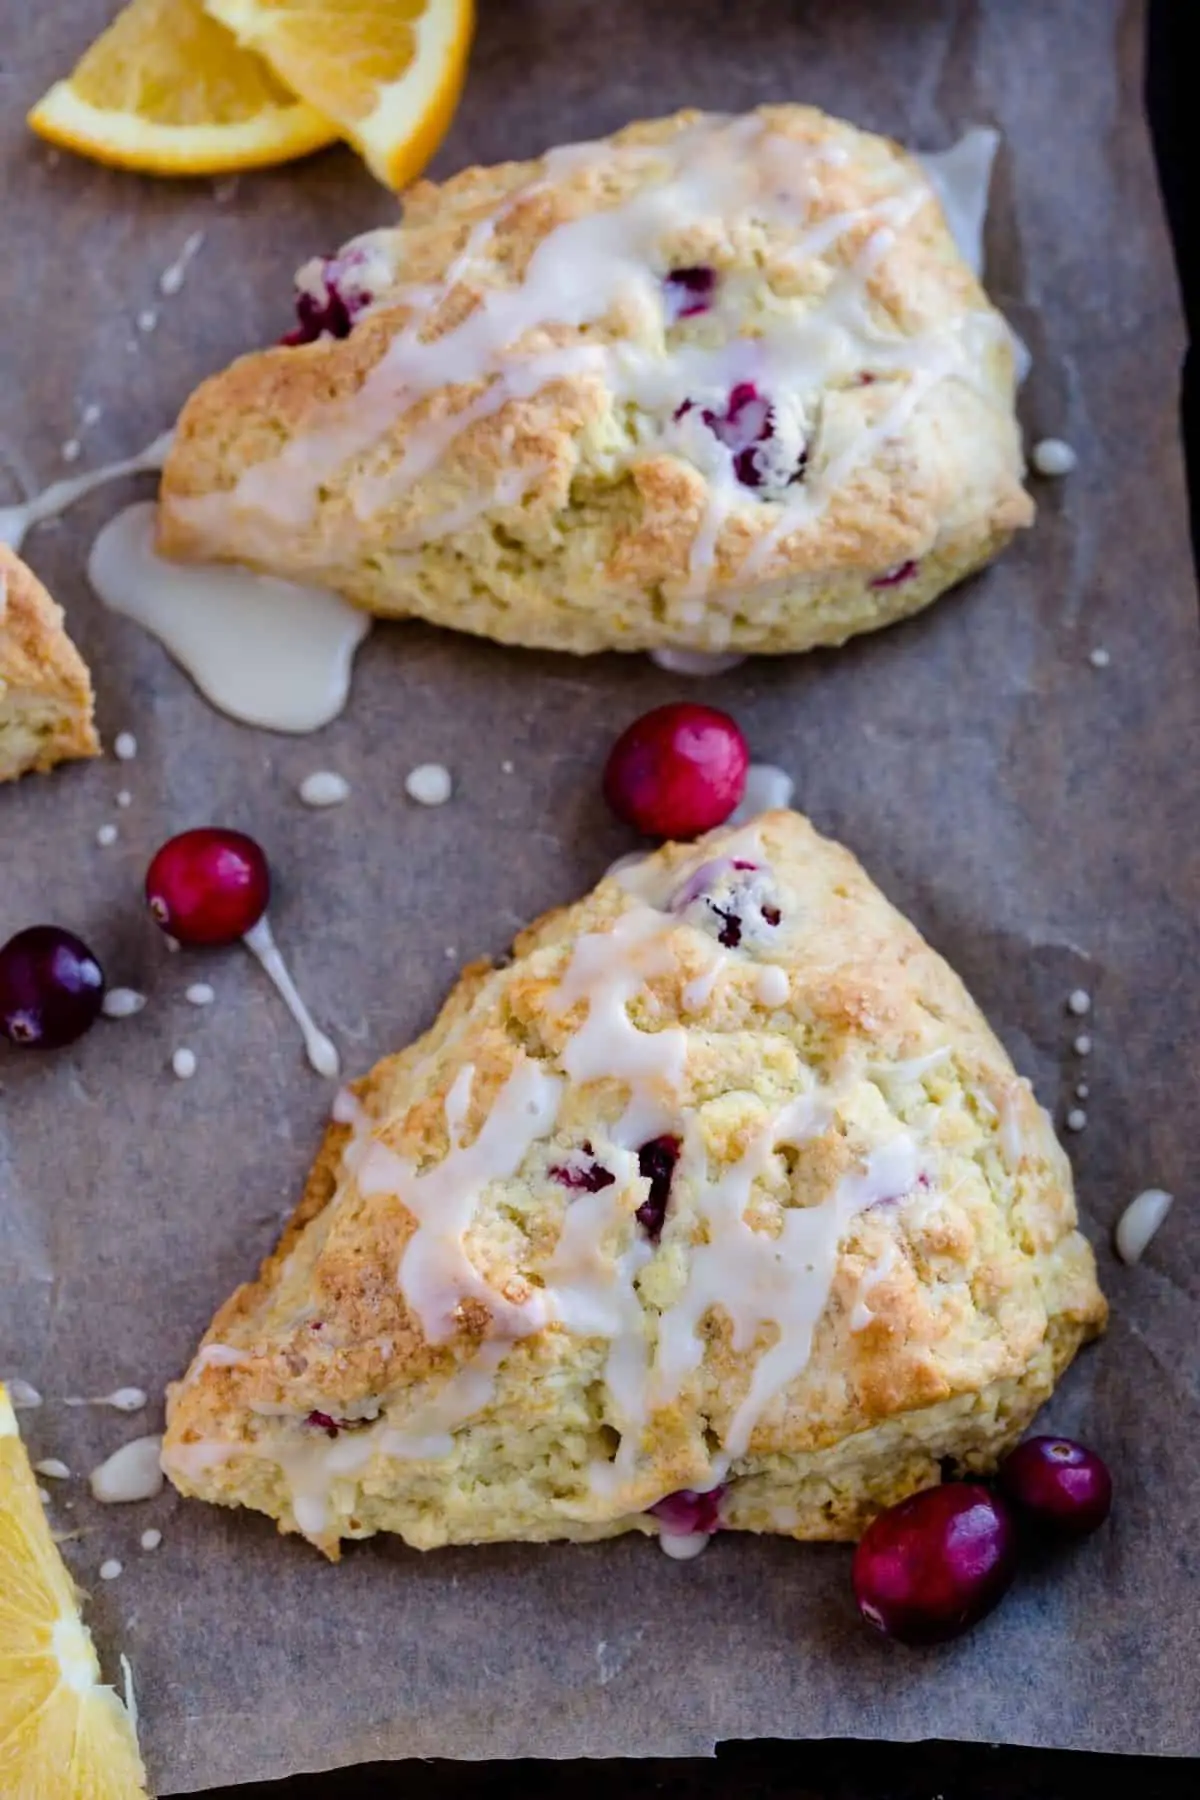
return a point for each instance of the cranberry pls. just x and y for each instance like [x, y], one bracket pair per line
[323, 1421]
[731, 893]
[329, 299]
[51, 987]
[656, 1164]
[677, 771]
[747, 422]
[893, 577]
[1058, 1484]
[686, 1513]
[208, 886]
[931, 1567]
[583, 1177]
[689, 291]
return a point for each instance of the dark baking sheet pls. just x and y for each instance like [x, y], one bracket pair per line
[1033, 814]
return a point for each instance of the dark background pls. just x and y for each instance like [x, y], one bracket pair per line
[846, 1769]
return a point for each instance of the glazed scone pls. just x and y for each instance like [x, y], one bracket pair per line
[721, 1187]
[711, 383]
[46, 695]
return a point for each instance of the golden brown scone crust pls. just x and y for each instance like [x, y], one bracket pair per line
[619, 498]
[948, 1310]
[46, 697]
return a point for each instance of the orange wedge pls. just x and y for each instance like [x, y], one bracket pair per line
[63, 1735]
[168, 91]
[390, 72]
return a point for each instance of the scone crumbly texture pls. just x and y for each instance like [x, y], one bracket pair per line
[46, 697]
[722, 1183]
[715, 383]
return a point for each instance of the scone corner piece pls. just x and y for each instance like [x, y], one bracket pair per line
[46, 699]
[721, 1195]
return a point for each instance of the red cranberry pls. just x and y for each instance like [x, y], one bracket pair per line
[687, 1513]
[51, 987]
[208, 886]
[677, 771]
[1057, 1484]
[689, 291]
[656, 1164]
[933, 1566]
[747, 421]
[330, 306]
[893, 577]
[583, 1174]
[323, 1422]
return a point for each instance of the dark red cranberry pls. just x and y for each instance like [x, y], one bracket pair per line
[893, 577]
[333, 308]
[677, 771]
[582, 1177]
[936, 1564]
[689, 291]
[746, 423]
[687, 1513]
[323, 1421]
[208, 886]
[656, 1164]
[1059, 1485]
[51, 987]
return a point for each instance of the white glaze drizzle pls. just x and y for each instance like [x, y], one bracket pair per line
[320, 1050]
[683, 1546]
[133, 1472]
[122, 1399]
[768, 789]
[1140, 1221]
[436, 1273]
[697, 663]
[122, 1003]
[267, 652]
[324, 787]
[16, 521]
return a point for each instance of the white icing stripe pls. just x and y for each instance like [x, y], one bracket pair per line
[15, 521]
[609, 969]
[436, 1272]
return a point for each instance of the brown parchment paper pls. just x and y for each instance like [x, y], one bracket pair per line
[1033, 814]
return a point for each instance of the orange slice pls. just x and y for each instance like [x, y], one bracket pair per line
[390, 72]
[63, 1735]
[168, 91]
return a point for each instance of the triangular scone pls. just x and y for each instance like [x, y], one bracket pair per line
[46, 695]
[715, 383]
[722, 1183]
